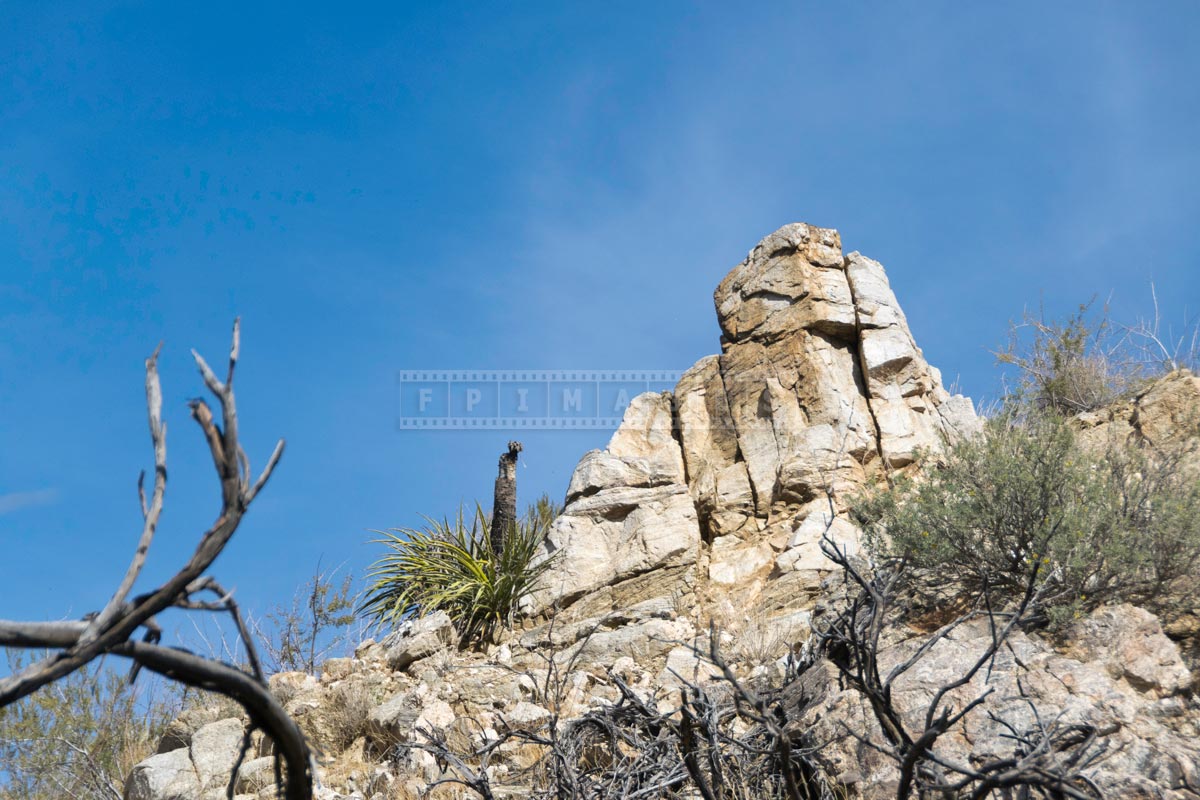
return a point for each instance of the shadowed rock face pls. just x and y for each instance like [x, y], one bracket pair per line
[818, 389]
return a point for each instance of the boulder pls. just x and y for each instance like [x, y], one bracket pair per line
[394, 721]
[617, 533]
[419, 638]
[180, 731]
[287, 685]
[164, 776]
[214, 751]
[256, 775]
[525, 715]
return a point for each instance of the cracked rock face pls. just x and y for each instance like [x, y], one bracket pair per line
[819, 388]
[1164, 415]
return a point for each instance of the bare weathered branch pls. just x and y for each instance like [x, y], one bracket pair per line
[234, 347]
[253, 491]
[47, 635]
[151, 513]
[226, 602]
[76, 643]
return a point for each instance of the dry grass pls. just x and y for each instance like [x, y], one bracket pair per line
[763, 640]
[348, 711]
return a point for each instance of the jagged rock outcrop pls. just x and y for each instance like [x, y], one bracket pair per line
[818, 389]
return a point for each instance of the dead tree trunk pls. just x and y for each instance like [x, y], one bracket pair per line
[504, 504]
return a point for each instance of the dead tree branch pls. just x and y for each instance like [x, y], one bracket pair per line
[723, 741]
[113, 628]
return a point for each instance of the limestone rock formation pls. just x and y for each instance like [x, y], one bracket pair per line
[819, 388]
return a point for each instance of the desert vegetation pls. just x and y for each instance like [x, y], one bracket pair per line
[318, 623]
[1088, 359]
[1113, 520]
[1118, 525]
[451, 566]
[81, 735]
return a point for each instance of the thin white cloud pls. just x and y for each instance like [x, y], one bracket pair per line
[15, 501]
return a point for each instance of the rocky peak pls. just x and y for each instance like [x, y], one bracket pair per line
[818, 389]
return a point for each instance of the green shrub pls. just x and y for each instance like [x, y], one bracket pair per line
[81, 735]
[1105, 527]
[1071, 366]
[316, 624]
[448, 566]
[1089, 360]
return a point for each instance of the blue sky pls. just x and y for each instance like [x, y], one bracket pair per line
[381, 187]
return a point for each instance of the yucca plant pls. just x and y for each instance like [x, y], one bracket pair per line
[449, 566]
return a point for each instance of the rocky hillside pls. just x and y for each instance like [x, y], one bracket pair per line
[707, 508]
